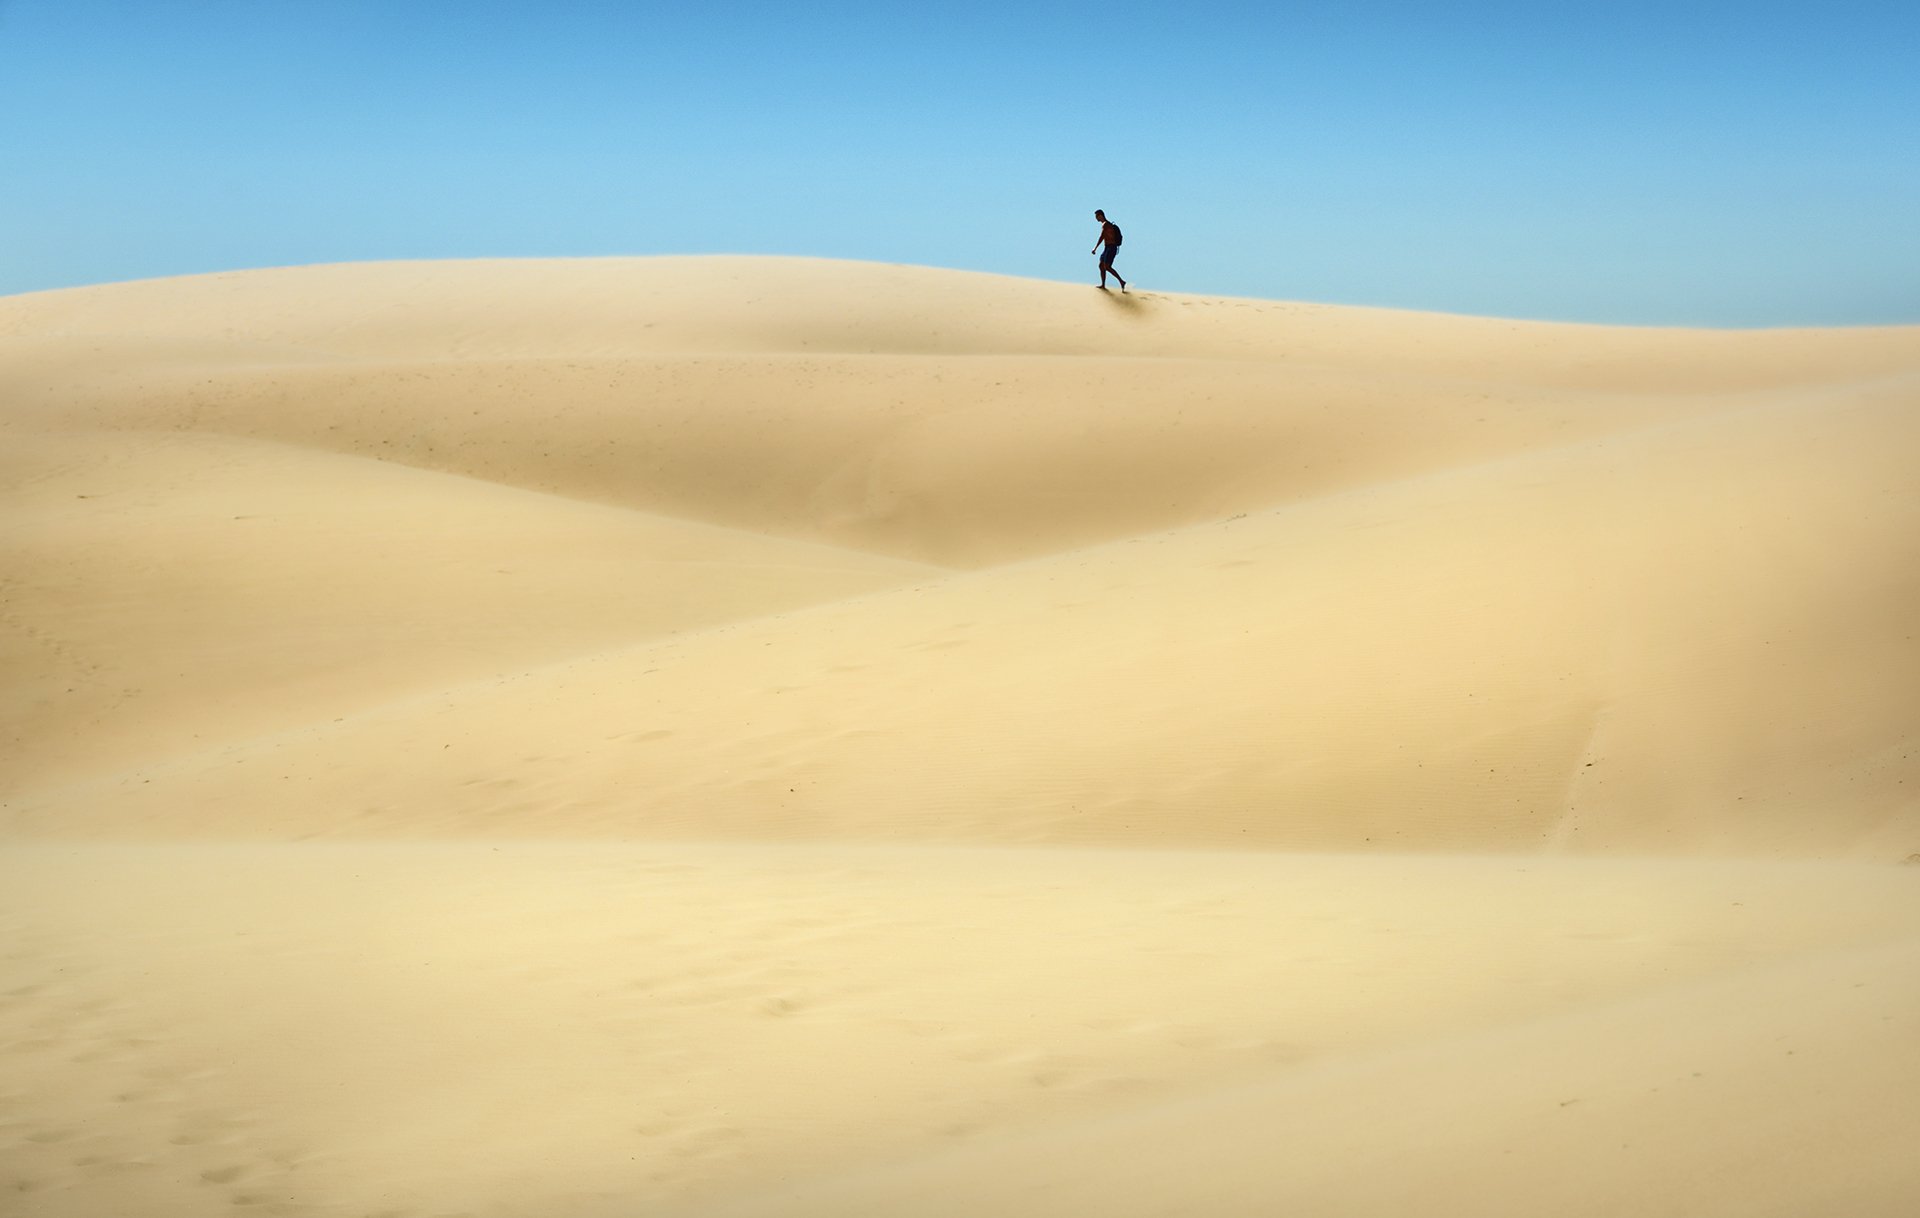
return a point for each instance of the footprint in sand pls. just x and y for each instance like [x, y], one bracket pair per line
[781, 1006]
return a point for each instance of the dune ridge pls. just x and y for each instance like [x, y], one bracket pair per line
[732, 735]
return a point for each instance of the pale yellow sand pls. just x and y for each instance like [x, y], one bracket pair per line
[699, 736]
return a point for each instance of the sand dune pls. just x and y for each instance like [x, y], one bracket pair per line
[179, 589]
[775, 736]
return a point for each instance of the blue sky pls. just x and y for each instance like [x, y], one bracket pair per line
[1676, 163]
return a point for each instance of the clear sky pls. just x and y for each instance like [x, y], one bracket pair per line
[1738, 162]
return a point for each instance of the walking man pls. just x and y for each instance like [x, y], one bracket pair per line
[1107, 247]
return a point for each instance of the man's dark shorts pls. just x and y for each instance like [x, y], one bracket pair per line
[1106, 255]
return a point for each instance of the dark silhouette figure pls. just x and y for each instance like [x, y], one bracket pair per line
[1107, 247]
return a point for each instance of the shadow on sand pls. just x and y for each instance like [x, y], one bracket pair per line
[1128, 304]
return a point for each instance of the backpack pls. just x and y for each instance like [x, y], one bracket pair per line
[1116, 233]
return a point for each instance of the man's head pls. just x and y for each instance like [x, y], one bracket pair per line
[1099, 215]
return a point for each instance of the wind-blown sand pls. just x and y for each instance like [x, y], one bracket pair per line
[685, 737]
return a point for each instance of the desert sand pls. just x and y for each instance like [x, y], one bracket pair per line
[685, 737]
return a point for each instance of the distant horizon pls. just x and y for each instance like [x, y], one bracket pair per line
[1142, 290]
[1638, 165]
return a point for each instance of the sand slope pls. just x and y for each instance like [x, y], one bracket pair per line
[775, 736]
